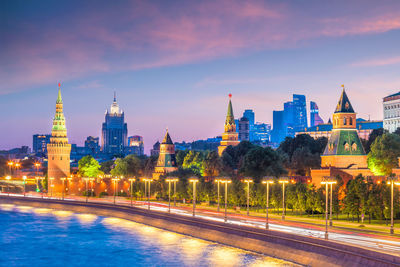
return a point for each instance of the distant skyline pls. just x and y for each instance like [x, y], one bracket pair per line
[173, 64]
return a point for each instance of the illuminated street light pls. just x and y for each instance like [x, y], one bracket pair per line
[218, 181]
[8, 178]
[226, 182]
[248, 181]
[392, 180]
[69, 181]
[24, 182]
[169, 181]
[37, 165]
[147, 180]
[131, 180]
[267, 181]
[194, 181]
[63, 187]
[51, 186]
[17, 166]
[10, 165]
[283, 181]
[327, 181]
[115, 180]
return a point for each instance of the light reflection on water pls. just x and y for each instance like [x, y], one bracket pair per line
[54, 238]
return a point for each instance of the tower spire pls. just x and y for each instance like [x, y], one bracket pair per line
[115, 96]
[59, 98]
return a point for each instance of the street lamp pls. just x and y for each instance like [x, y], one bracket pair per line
[248, 181]
[69, 181]
[218, 181]
[194, 181]
[63, 186]
[115, 180]
[24, 182]
[392, 181]
[10, 164]
[169, 181]
[51, 186]
[327, 181]
[91, 180]
[8, 178]
[148, 180]
[38, 178]
[131, 180]
[86, 179]
[267, 181]
[37, 165]
[283, 181]
[226, 182]
[17, 166]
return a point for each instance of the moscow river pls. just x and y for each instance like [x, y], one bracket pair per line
[43, 237]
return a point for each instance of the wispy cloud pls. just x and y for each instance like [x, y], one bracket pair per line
[377, 62]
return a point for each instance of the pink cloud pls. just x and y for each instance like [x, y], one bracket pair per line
[144, 35]
[377, 62]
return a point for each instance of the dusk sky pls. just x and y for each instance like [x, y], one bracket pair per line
[173, 63]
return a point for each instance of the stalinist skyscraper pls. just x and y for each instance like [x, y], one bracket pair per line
[58, 150]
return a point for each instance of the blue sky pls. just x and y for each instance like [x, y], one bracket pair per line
[173, 65]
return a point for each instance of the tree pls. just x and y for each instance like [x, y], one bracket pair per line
[106, 166]
[384, 154]
[303, 161]
[89, 167]
[120, 168]
[134, 165]
[212, 164]
[259, 162]
[372, 136]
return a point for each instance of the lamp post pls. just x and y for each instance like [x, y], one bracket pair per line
[283, 181]
[226, 182]
[392, 181]
[24, 182]
[330, 207]
[86, 179]
[10, 165]
[17, 166]
[131, 180]
[248, 181]
[148, 180]
[69, 181]
[194, 181]
[37, 165]
[63, 187]
[91, 180]
[169, 181]
[51, 186]
[37, 183]
[218, 181]
[327, 181]
[8, 178]
[115, 180]
[267, 181]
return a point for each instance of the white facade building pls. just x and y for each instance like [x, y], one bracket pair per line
[391, 112]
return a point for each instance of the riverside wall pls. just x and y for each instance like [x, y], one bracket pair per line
[298, 249]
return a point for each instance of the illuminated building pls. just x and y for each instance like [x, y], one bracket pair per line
[114, 130]
[230, 136]
[39, 143]
[166, 159]
[92, 145]
[364, 129]
[315, 119]
[58, 150]
[135, 145]
[391, 112]
[244, 129]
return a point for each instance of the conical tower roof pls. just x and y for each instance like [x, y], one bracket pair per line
[167, 139]
[59, 98]
[344, 105]
[229, 115]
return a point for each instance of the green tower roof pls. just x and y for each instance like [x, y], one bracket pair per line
[59, 98]
[229, 115]
[167, 139]
[344, 105]
[345, 143]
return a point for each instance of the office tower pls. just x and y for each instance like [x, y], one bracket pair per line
[135, 145]
[315, 119]
[249, 114]
[39, 143]
[244, 129]
[92, 145]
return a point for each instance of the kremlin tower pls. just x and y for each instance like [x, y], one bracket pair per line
[166, 160]
[230, 136]
[344, 148]
[58, 150]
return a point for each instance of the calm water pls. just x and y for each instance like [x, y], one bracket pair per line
[44, 237]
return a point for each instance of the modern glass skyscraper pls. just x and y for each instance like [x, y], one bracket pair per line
[315, 119]
[300, 112]
[114, 130]
[249, 114]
